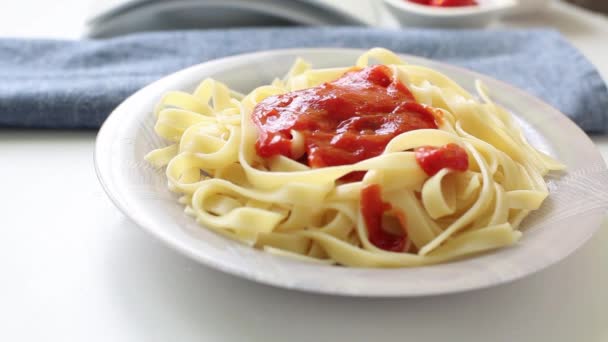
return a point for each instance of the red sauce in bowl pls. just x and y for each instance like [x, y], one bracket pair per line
[446, 3]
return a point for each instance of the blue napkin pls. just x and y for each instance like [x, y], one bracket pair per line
[76, 84]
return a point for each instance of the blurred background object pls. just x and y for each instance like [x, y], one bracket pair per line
[481, 14]
[596, 5]
[527, 6]
[116, 17]
[109, 18]
[74, 18]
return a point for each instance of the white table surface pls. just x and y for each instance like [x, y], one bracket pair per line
[75, 269]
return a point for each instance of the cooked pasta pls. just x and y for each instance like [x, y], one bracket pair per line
[427, 174]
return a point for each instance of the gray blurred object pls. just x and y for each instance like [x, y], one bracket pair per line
[120, 17]
[595, 5]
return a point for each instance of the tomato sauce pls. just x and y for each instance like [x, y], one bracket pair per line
[348, 120]
[446, 3]
[343, 122]
[433, 159]
[372, 210]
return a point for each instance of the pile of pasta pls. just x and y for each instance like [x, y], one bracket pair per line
[286, 208]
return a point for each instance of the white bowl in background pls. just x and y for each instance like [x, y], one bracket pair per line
[488, 11]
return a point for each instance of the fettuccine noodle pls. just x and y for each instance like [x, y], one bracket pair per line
[287, 208]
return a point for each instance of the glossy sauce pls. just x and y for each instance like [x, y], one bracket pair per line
[343, 122]
[372, 210]
[451, 156]
[446, 3]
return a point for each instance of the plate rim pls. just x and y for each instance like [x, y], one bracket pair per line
[174, 244]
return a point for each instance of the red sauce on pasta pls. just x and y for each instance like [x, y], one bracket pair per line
[345, 121]
[451, 156]
[372, 210]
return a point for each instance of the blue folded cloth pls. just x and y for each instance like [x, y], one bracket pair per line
[76, 84]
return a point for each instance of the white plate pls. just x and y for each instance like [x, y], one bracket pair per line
[568, 218]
